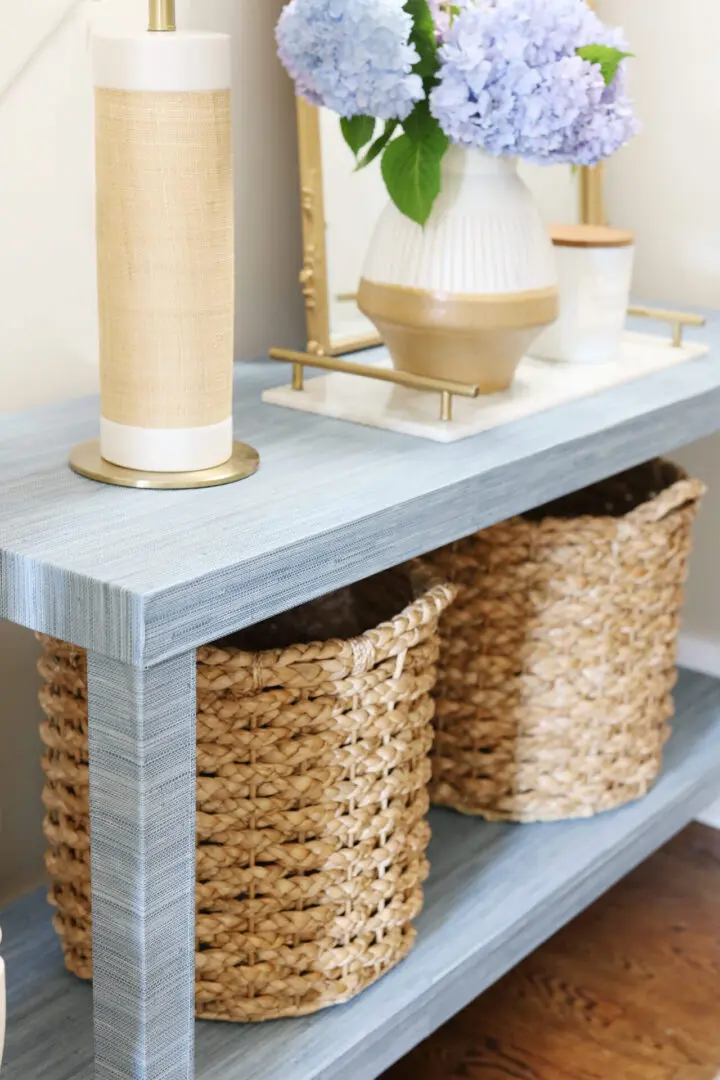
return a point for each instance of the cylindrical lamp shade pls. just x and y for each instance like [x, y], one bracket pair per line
[165, 233]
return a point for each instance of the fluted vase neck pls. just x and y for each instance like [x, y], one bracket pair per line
[469, 161]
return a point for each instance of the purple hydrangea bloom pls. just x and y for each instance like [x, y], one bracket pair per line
[353, 56]
[511, 83]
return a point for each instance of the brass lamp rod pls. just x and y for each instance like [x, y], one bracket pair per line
[162, 16]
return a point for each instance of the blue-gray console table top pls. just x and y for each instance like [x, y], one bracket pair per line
[142, 576]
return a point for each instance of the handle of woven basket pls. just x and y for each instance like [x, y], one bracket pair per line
[683, 493]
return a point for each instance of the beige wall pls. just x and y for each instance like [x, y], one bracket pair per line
[664, 186]
[47, 278]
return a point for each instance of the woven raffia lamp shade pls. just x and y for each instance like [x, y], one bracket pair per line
[165, 238]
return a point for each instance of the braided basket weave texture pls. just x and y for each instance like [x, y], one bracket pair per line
[313, 766]
[558, 658]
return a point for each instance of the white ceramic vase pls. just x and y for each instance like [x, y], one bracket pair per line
[464, 297]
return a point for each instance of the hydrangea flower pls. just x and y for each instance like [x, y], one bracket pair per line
[511, 83]
[353, 56]
[440, 11]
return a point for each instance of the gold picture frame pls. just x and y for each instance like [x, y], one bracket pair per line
[314, 272]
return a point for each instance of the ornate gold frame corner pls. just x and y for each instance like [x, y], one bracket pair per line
[313, 276]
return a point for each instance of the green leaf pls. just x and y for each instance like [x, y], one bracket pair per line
[358, 131]
[379, 145]
[421, 124]
[411, 171]
[423, 38]
[607, 57]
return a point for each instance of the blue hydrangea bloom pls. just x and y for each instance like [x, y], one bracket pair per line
[511, 83]
[440, 10]
[353, 56]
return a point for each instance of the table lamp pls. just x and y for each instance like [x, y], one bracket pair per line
[165, 240]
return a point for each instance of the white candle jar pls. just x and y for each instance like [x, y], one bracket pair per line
[595, 266]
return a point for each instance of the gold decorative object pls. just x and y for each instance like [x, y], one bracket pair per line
[592, 195]
[592, 187]
[446, 388]
[86, 460]
[558, 658]
[678, 320]
[314, 273]
[313, 766]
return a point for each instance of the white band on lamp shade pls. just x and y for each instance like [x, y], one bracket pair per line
[166, 449]
[187, 61]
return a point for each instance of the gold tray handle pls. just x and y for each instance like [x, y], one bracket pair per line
[678, 320]
[447, 388]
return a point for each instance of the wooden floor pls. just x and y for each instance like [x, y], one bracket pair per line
[629, 991]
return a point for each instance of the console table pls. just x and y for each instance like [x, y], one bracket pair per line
[141, 579]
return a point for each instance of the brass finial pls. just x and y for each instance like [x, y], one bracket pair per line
[162, 15]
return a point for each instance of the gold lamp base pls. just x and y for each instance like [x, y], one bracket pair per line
[86, 460]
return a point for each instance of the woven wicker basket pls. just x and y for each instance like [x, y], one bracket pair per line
[558, 658]
[311, 799]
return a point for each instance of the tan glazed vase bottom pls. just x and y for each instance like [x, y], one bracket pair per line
[477, 340]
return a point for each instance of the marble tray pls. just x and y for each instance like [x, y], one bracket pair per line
[539, 385]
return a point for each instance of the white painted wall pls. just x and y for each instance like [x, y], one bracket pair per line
[348, 230]
[665, 187]
[47, 271]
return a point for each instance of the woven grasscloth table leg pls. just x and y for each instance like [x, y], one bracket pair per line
[142, 818]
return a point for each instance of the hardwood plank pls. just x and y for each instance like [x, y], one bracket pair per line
[495, 893]
[143, 576]
[630, 989]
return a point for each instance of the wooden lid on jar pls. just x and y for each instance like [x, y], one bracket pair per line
[590, 236]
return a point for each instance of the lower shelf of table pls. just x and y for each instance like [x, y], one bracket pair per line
[495, 893]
